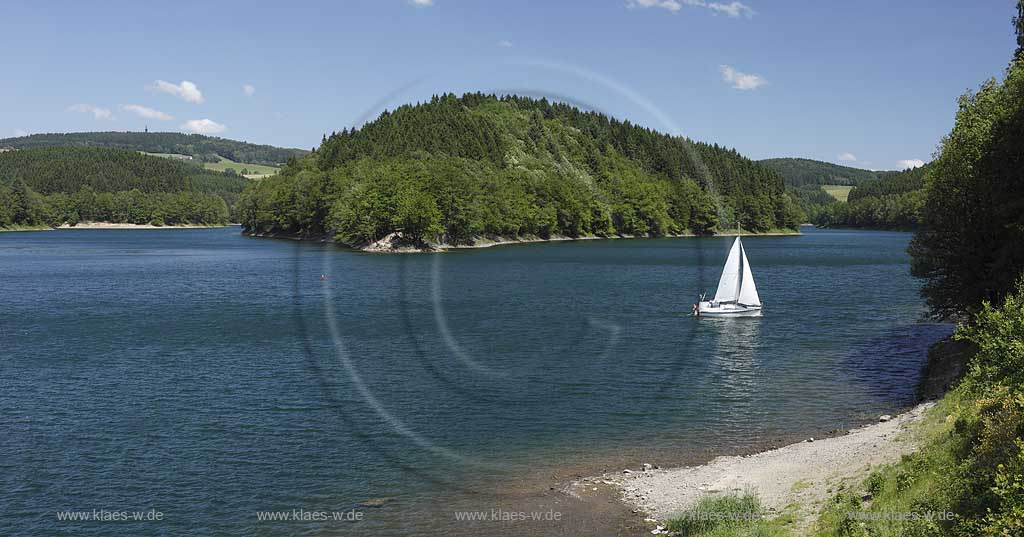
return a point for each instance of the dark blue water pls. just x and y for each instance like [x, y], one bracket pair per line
[210, 376]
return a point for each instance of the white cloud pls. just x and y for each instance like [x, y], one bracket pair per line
[97, 112]
[911, 163]
[187, 91]
[145, 112]
[422, 3]
[732, 9]
[670, 5]
[848, 157]
[249, 90]
[19, 132]
[741, 81]
[203, 126]
[505, 44]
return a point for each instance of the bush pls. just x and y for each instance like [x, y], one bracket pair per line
[999, 335]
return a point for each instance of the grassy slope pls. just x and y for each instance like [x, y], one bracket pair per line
[254, 169]
[839, 192]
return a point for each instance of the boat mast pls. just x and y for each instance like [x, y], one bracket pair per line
[739, 273]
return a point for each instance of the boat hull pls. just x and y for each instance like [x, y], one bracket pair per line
[705, 309]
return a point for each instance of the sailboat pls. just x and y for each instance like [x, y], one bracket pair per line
[736, 295]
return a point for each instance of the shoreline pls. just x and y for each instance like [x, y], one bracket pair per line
[391, 244]
[798, 476]
[112, 225]
[796, 479]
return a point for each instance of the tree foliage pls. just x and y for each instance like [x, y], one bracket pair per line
[892, 202]
[456, 168]
[968, 247]
[800, 172]
[53, 186]
[206, 148]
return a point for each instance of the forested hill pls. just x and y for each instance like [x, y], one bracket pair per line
[200, 147]
[800, 172]
[892, 202]
[457, 168]
[57, 185]
[68, 169]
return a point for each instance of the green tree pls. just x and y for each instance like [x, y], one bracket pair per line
[416, 215]
[969, 248]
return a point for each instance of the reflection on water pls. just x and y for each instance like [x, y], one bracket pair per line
[736, 349]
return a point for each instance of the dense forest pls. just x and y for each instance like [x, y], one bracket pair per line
[892, 202]
[804, 179]
[455, 168]
[202, 148]
[56, 185]
[800, 172]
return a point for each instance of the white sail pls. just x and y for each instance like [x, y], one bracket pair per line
[747, 294]
[729, 284]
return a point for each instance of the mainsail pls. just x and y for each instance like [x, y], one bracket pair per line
[729, 283]
[737, 281]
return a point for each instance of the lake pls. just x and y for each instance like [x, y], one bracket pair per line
[213, 377]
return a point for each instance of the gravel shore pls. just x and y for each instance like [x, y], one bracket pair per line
[804, 474]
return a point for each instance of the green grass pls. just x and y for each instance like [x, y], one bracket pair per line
[253, 169]
[839, 192]
[730, 516]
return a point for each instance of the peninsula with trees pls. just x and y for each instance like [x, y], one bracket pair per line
[460, 170]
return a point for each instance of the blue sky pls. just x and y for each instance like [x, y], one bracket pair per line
[864, 83]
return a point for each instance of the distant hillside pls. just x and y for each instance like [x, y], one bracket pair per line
[198, 146]
[799, 172]
[54, 185]
[892, 202]
[458, 168]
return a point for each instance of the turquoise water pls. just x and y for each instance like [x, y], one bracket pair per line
[209, 376]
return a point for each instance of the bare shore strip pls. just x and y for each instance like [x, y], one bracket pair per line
[111, 225]
[394, 244]
[799, 476]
